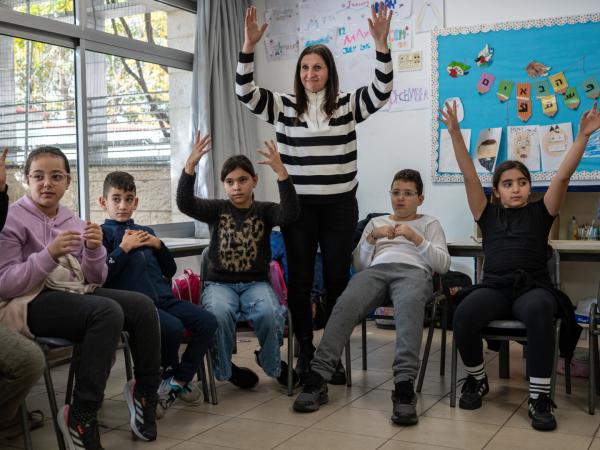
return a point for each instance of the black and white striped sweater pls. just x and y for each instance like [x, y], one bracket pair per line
[319, 155]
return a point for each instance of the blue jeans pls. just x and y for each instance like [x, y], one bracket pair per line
[175, 316]
[256, 302]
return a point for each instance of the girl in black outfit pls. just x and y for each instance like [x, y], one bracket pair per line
[516, 280]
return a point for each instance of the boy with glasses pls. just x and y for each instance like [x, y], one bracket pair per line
[394, 260]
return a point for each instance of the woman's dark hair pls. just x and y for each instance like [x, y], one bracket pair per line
[507, 165]
[237, 162]
[41, 151]
[332, 86]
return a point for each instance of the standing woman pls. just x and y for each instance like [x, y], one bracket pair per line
[317, 140]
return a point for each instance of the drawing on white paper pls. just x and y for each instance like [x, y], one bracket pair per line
[447, 162]
[326, 37]
[523, 144]
[282, 20]
[353, 12]
[429, 15]
[486, 150]
[556, 141]
[401, 8]
[410, 94]
[282, 47]
[355, 70]
[460, 109]
[400, 35]
[317, 16]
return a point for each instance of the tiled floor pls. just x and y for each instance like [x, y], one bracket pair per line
[355, 418]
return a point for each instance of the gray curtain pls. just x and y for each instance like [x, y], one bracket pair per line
[214, 107]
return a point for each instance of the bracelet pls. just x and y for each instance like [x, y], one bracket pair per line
[373, 235]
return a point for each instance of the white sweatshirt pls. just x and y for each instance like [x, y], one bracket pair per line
[432, 254]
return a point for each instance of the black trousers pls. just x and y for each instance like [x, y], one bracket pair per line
[332, 227]
[535, 308]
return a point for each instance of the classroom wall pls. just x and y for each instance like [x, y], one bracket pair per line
[389, 142]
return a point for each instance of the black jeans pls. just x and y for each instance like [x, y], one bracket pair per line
[332, 226]
[535, 308]
[98, 319]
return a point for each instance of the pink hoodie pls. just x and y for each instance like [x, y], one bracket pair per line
[24, 241]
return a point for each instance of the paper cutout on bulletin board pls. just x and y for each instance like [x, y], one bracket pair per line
[536, 69]
[401, 8]
[549, 105]
[523, 91]
[485, 83]
[504, 90]
[316, 16]
[356, 70]
[326, 37]
[486, 150]
[591, 88]
[559, 83]
[409, 61]
[592, 149]
[400, 36]
[571, 98]
[524, 110]
[524, 145]
[541, 88]
[447, 162]
[429, 15]
[282, 20]
[484, 59]
[456, 69]
[282, 47]
[409, 95]
[556, 141]
[460, 109]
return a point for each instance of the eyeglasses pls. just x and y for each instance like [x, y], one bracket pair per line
[55, 178]
[405, 194]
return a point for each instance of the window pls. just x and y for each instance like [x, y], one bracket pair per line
[60, 10]
[37, 107]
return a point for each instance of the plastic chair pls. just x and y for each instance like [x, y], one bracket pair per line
[204, 262]
[49, 343]
[515, 330]
[436, 298]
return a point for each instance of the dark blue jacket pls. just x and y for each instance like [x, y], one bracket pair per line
[140, 270]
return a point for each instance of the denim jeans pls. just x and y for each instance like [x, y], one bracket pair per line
[256, 302]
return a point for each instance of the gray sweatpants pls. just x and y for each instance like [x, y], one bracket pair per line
[409, 287]
[21, 366]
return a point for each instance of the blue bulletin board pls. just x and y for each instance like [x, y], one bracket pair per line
[557, 42]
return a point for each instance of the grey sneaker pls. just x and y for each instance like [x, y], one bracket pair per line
[405, 404]
[313, 395]
[168, 394]
[192, 395]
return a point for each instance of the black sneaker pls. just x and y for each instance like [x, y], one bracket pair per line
[405, 404]
[473, 392]
[79, 435]
[282, 379]
[339, 376]
[142, 411]
[243, 377]
[313, 395]
[540, 412]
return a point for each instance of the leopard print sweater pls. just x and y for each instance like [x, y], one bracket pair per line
[240, 247]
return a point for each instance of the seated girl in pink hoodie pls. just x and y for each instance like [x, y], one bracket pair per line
[51, 270]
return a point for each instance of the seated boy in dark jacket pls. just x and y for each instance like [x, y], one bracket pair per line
[137, 261]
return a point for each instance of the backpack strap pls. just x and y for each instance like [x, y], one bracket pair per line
[174, 283]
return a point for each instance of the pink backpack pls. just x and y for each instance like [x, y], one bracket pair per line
[187, 287]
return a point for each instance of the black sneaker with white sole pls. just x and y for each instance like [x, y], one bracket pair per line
[243, 377]
[142, 411]
[405, 404]
[79, 435]
[339, 376]
[541, 413]
[282, 379]
[473, 391]
[313, 395]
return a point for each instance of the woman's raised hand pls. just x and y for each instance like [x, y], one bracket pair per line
[379, 26]
[253, 33]
[274, 160]
[198, 151]
[449, 118]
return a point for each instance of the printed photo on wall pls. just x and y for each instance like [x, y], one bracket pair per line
[486, 150]
[556, 141]
[592, 149]
[524, 146]
[447, 161]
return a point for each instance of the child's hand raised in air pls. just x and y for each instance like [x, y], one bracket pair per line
[65, 242]
[198, 151]
[274, 160]
[134, 239]
[92, 233]
[590, 121]
[450, 119]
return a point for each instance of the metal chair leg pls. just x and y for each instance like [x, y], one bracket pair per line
[568, 375]
[127, 354]
[555, 363]
[52, 401]
[290, 380]
[25, 426]
[596, 365]
[348, 365]
[453, 374]
[444, 330]
[202, 378]
[70, 380]
[427, 347]
[592, 359]
[504, 366]
[213, 388]
[364, 344]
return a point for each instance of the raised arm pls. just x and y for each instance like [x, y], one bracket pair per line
[555, 196]
[367, 100]
[475, 195]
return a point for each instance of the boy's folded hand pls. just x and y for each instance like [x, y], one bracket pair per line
[134, 239]
[153, 241]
